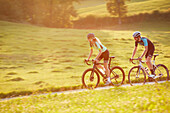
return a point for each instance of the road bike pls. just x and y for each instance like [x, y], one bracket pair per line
[91, 76]
[137, 74]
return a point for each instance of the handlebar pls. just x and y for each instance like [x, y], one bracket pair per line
[86, 61]
[93, 61]
[137, 59]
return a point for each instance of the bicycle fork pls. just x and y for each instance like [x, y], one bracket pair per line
[138, 72]
[92, 74]
[139, 69]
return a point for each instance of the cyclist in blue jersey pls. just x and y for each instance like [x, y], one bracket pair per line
[103, 54]
[148, 52]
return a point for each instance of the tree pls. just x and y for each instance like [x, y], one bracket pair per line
[61, 13]
[50, 13]
[117, 8]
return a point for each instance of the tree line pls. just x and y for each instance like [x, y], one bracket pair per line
[49, 13]
[93, 22]
[60, 13]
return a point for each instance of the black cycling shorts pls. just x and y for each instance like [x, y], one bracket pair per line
[150, 52]
[104, 55]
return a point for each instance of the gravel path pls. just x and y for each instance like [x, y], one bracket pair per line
[81, 90]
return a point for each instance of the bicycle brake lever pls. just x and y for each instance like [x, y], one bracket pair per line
[86, 62]
[133, 62]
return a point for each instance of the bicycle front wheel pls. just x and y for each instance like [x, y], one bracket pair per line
[136, 75]
[161, 72]
[117, 76]
[90, 78]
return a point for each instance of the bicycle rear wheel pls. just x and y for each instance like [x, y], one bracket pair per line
[117, 76]
[161, 72]
[136, 75]
[90, 79]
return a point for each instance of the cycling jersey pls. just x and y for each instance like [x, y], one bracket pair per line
[98, 46]
[146, 42]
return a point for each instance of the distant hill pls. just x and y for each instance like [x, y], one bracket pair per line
[98, 7]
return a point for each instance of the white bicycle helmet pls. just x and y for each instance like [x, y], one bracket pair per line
[136, 34]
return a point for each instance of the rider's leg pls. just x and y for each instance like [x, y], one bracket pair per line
[99, 66]
[149, 64]
[107, 70]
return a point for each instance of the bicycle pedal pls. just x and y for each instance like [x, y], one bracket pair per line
[160, 75]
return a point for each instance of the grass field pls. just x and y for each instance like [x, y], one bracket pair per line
[137, 99]
[98, 7]
[45, 59]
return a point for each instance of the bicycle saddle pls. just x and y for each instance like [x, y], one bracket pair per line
[112, 57]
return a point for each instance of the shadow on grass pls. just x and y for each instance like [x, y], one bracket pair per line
[166, 56]
[56, 71]
[69, 67]
[32, 72]
[39, 82]
[12, 73]
[16, 79]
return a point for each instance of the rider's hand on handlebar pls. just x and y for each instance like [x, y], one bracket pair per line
[140, 58]
[86, 60]
[95, 61]
[130, 60]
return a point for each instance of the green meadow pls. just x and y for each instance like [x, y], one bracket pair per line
[98, 7]
[137, 99]
[38, 59]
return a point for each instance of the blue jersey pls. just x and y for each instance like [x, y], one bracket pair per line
[145, 42]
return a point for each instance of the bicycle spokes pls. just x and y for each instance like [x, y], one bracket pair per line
[161, 72]
[136, 75]
[90, 79]
[117, 75]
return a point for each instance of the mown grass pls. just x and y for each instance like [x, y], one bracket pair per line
[98, 8]
[30, 54]
[137, 99]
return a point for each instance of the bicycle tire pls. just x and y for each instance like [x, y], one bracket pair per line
[117, 76]
[163, 75]
[133, 78]
[86, 78]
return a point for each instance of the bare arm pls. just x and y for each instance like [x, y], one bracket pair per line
[145, 51]
[100, 52]
[91, 51]
[134, 52]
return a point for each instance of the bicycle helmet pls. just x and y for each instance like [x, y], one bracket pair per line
[90, 35]
[136, 34]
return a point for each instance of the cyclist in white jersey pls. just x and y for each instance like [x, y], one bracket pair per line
[103, 54]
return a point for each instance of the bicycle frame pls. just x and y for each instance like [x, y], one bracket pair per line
[95, 67]
[139, 73]
[93, 75]
[141, 66]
